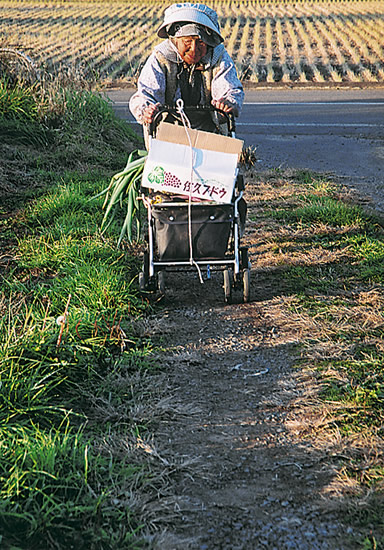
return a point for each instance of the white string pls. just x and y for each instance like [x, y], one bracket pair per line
[187, 124]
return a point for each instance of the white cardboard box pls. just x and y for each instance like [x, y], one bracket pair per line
[205, 171]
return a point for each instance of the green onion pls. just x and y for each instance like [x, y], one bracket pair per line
[123, 192]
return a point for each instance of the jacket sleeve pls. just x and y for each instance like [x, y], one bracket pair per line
[150, 88]
[225, 82]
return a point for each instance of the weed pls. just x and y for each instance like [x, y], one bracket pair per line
[325, 210]
[17, 102]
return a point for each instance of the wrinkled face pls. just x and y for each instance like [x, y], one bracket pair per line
[191, 48]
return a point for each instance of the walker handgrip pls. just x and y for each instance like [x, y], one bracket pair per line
[230, 119]
[157, 118]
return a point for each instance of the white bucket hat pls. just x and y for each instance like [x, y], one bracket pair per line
[191, 13]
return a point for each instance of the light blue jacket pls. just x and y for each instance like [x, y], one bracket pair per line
[222, 82]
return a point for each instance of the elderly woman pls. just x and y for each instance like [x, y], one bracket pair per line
[191, 64]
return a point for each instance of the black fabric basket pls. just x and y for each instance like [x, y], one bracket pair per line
[211, 227]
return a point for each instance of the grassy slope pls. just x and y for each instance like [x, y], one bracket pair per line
[71, 352]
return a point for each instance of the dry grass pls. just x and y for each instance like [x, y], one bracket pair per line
[309, 42]
[335, 315]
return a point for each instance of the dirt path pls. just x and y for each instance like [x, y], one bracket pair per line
[245, 474]
[249, 481]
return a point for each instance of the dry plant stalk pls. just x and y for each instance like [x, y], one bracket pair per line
[62, 321]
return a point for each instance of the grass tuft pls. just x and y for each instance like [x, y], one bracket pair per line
[325, 210]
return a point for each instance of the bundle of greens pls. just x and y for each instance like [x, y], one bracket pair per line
[123, 192]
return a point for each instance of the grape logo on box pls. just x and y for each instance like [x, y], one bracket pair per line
[205, 189]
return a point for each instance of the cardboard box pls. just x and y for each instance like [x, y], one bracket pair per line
[205, 171]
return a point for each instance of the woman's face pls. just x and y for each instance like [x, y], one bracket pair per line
[191, 49]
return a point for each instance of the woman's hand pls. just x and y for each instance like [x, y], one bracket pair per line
[149, 112]
[226, 106]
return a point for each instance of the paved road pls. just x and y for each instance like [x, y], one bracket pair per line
[338, 132]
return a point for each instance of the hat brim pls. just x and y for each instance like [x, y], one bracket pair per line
[191, 16]
[192, 29]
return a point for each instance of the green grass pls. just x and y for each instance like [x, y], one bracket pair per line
[325, 210]
[361, 390]
[68, 343]
[47, 379]
[55, 476]
[318, 212]
[322, 278]
[67, 130]
[18, 102]
[369, 249]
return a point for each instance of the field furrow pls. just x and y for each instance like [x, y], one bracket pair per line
[288, 42]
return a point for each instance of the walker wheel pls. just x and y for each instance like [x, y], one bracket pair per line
[142, 281]
[145, 282]
[246, 285]
[227, 286]
[161, 282]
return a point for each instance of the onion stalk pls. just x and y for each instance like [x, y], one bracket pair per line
[123, 192]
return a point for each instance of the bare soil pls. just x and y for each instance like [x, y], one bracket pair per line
[246, 473]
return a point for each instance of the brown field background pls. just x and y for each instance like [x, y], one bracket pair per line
[271, 42]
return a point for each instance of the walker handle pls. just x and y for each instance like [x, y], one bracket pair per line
[229, 117]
